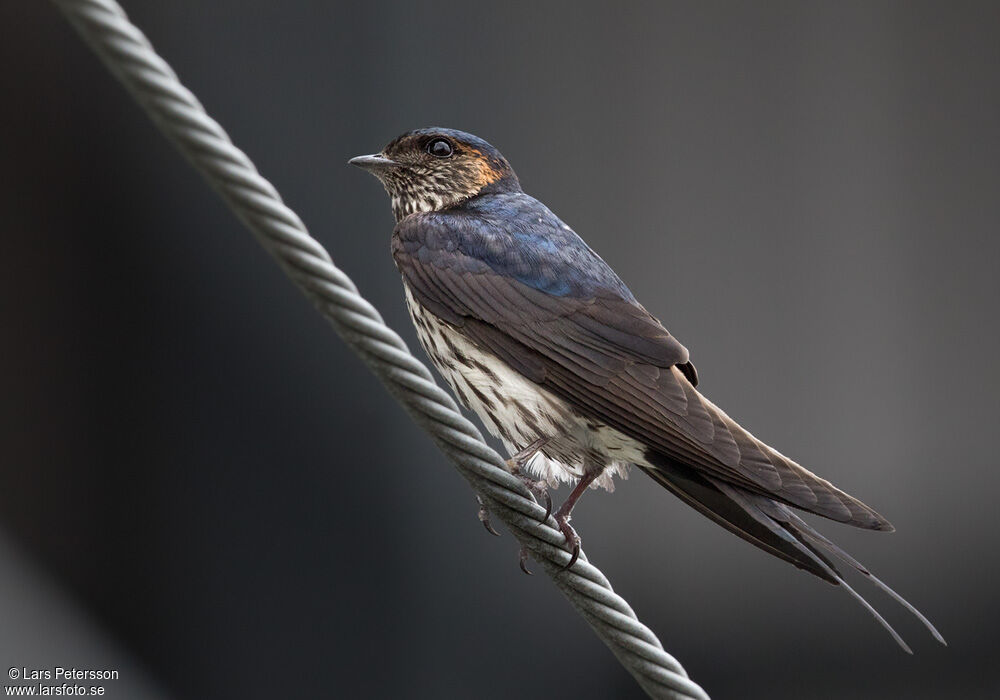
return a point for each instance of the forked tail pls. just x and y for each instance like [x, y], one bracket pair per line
[776, 529]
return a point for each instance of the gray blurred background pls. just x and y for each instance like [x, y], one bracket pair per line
[197, 473]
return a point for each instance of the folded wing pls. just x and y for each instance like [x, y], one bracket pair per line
[597, 348]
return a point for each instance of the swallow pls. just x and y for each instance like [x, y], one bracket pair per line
[540, 338]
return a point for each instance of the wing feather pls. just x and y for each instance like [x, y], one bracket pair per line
[596, 348]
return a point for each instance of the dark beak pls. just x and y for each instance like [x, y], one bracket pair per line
[374, 163]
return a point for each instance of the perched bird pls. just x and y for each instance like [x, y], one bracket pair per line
[538, 336]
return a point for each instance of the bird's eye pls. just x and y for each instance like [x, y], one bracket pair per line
[439, 148]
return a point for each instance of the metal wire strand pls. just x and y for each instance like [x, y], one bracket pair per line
[130, 57]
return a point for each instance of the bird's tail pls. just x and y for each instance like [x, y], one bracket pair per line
[777, 530]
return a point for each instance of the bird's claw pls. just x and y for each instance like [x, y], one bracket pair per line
[548, 504]
[523, 563]
[572, 539]
[484, 517]
[538, 489]
[576, 555]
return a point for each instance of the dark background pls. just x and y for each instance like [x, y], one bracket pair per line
[201, 487]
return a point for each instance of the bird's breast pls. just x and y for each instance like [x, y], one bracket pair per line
[515, 409]
[511, 406]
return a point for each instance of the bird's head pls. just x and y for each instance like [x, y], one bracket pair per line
[433, 169]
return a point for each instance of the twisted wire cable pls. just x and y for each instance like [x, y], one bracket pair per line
[131, 58]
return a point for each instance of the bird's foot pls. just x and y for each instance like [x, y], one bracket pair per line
[484, 517]
[538, 489]
[572, 539]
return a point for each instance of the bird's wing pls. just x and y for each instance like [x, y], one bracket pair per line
[565, 321]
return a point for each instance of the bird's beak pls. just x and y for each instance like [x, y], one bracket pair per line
[375, 163]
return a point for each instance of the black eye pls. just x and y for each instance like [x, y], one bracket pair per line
[439, 148]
